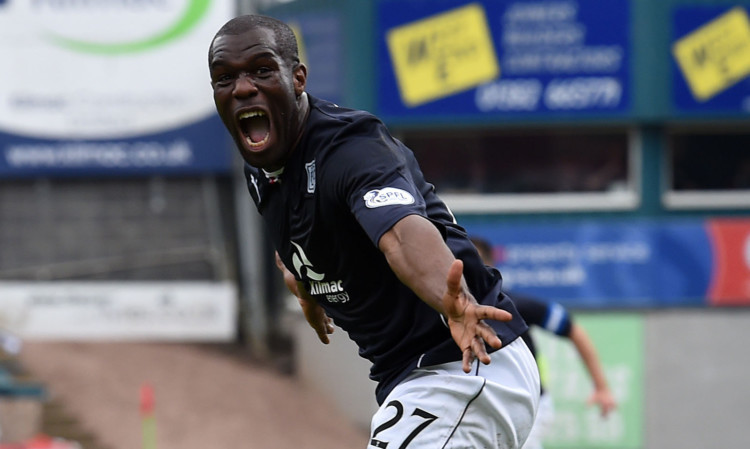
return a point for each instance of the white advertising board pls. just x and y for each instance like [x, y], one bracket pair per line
[109, 87]
[112, 311]
[105, 68]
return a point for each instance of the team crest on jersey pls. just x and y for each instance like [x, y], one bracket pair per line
[387, 196]
[310, 167]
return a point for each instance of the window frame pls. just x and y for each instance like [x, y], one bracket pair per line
[522, 203]
[673, 199]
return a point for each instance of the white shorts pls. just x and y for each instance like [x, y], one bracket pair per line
[545, 417]
[441, 407]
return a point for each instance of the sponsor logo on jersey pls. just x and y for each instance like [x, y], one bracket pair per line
[387, 196]
[310, 167]
[317, 288]
[303, 266]
[333, 290]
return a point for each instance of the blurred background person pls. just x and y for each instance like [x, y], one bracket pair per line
[555, 318]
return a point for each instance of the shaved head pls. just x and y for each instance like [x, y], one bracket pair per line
[285, 38]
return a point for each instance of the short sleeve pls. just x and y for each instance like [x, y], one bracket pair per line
[371, 176]
[551, 316]
[558, 320]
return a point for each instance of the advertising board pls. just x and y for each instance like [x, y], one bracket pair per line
[506, 58]
[626, 263]
[109, 87]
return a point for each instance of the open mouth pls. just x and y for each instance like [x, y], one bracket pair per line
[255, 127]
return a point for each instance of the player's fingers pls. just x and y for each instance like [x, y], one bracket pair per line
[477, 345]
[468, 358]
[453, 279]
[489, 335]
[607, 408]
[493, 313]
[323, 332]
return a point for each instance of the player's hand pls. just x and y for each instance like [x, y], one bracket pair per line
[465, 319]
[605, 400]
[317, 319]
[314, 314]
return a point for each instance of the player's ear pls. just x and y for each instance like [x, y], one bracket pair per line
[300, 78]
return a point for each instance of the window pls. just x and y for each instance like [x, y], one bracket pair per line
[708, 169]
[478, 171]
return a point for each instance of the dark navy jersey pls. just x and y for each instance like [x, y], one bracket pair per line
[548, 315]
[346, 183]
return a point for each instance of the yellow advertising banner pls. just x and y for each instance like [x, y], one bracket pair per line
[717, 55]
[442, 54]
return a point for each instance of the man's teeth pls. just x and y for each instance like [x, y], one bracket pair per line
[256, 144]
[250, 114]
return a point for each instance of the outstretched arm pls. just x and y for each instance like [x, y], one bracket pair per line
[601, 396]
[314, 314]
[416, 252]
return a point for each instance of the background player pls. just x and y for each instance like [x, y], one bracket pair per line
[553, 317]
